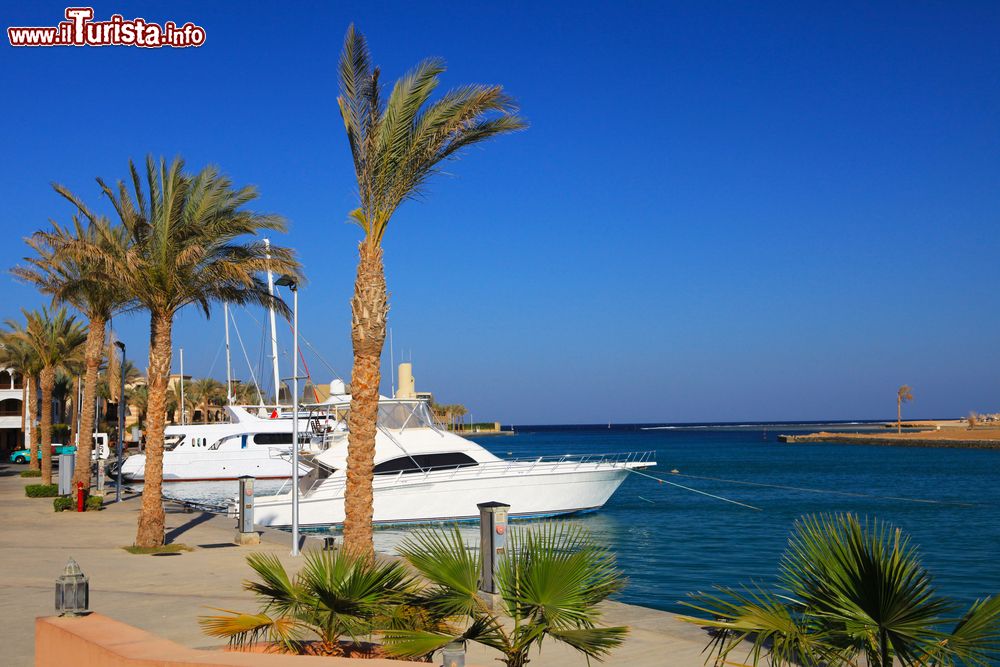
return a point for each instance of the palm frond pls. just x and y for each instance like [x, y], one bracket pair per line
[395, 147]
[446, 561]
[242, 630]
[975, 640]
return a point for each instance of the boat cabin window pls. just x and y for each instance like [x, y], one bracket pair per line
[272, 438]
[397, 415]
[171, 441]
[424, 462]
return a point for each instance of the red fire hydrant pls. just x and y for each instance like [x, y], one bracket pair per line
[79, 496]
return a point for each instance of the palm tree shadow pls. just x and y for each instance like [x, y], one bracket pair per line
[197, 520]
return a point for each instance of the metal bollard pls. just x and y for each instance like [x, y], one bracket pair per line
[245, 518]
[245, 534]
[492, 540]
[67, 465]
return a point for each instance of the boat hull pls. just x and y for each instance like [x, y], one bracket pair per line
[400, 501]
[213, 466]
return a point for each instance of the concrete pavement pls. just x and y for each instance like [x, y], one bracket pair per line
[165, 594]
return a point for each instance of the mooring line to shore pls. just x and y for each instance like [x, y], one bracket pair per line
[855, 494]
[688, 488]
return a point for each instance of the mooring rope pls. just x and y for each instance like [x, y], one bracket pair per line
[856, 494]
[688, 488]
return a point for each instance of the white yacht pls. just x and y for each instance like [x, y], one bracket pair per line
[244, 445]
[426, 474]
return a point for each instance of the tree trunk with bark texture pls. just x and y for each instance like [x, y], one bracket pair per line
[94, 355]
[369, 308]
[71, 419]
[24, 412]
[899, 415]
[48, 383]
[151, 519]
[33, 410]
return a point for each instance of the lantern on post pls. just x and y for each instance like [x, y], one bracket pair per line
[454, 654]
[72, 591]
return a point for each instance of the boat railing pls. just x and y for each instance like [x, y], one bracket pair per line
[521, 465]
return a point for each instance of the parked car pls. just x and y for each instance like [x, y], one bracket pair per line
[22, 455]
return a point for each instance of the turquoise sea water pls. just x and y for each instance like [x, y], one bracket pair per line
[671, 542]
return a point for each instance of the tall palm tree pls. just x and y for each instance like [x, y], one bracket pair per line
[58, 341]
[77, 281]
[14, 352]
[903, 395]
[184, 247]
[396, 145]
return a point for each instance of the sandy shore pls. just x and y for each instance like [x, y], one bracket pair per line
[943, 434]
[166, 594]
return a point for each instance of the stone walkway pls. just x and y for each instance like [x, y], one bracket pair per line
[165, 594]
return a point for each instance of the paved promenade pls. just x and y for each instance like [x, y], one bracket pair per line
[166, 594]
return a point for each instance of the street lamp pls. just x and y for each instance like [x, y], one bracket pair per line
[292, 283]
[121, 428]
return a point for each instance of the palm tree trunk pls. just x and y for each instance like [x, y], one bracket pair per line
[151, 518]
[899, 415]
[94, 354]
[48, 382]
[71, 418]
[24, 411]
[35, 436]
[369, 308]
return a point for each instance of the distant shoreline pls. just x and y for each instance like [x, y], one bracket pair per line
[878, 424]
[948, 433]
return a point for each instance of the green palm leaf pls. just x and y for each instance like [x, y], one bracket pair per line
[866, 583]
[245, 629]
[450, 565]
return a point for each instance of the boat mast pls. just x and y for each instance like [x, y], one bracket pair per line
[229, 374]
[183, 421]
[274, 329]
[392, 366]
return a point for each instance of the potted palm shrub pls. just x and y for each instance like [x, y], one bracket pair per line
[551, 580]
[330, 607]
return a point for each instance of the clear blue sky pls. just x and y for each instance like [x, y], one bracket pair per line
[720, 211]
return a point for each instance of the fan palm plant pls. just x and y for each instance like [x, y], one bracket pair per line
[903, 395]
[57, 339]
[550, 580]
[78, 282]
[336, 595]
[851, 590]
[14, 352]
[184, 246]
[396, 145]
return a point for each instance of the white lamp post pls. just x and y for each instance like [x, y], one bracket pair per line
[292, 284]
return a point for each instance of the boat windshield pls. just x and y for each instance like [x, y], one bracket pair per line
[398, 415]
[172, 440]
